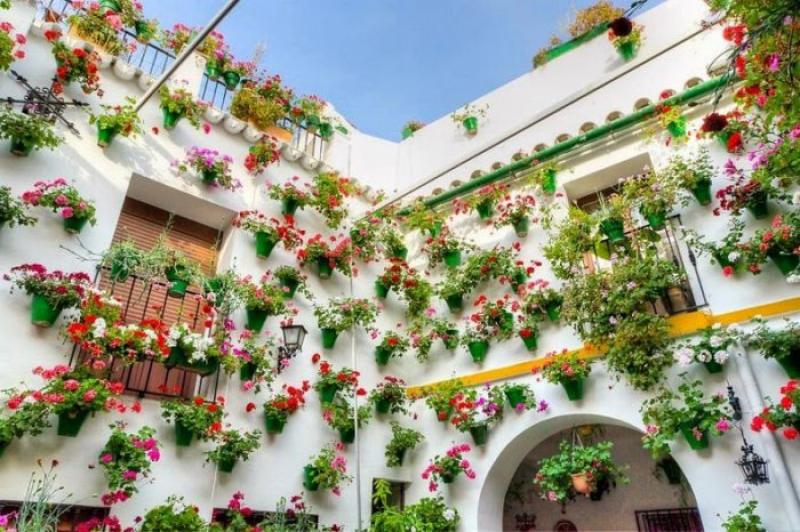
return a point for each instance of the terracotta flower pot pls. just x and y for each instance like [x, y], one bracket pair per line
[581, 484]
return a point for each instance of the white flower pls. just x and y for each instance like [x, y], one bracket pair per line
[704, 356]
[793, 279]
[720, 357]
[99, 328]
[740, 488]
[716, 341]
[733, 256]
[449, 514]
[684, 356]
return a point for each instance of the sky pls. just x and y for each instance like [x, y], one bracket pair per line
[382, 63]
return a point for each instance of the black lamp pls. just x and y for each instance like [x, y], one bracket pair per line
[753, 466]
[293, 338]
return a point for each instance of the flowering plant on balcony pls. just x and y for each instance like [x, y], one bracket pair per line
[328, 191]
[213, 47]
[262, 154]
[61, 290]
[577, 469]
[728, 129]
[78, 65]
[251, 105]
[364, 237]
[785, 415]
[327, 470]
[443, 397]
[424, 219]
[290, 196]
[483, 201]
[178, 37]
[197, 348]
[389, 396]
[64, 199]
[233, 446]
[446, 468]
[342, 417]
[264, 296]
[712, 347]
[174, 514]
[27, 132]
[517, 213]
[98, 26]
[309, 110]
[74, 394]
[403, 439]
[179, 103]
[586, 19]
[11, 44]
[345, 380]
[199, 417]
[13, 211]
[689, 412]
[213, 168]
[179, 269]
[116, 120]
[126, 459]
[655, 196]
[318, 251]
[283, 404]
[126, 343]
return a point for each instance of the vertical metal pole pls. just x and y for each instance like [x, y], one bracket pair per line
[185, 53]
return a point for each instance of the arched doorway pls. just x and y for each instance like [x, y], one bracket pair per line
[657, 498]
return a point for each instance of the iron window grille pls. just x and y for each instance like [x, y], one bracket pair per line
[71, 515]
[669, 520]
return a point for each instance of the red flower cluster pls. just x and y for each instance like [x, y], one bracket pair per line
[783, 415]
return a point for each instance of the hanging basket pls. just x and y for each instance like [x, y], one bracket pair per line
[310, 481]
[455, 302]
[232, 79]
[105, 135]
[289, 206]
[247, 371]
[452, 258]
[381, 290]
[20, 147]
[450, 339]
[74, 225]
[265, 243]
[656, 220]
[521, 227]
[553, 311]
[183, 435]
[178, 284]
[256, 318]
[478, 350]
[574, 388]
[757, 205]
[627, 51]
[702, 192]
[531, 341]
[329, 337]
[289, 287]
[43, 313]
[479, 433]
[70, 423]
[382, 355]
[274, 424]
[347, 435]
[785, 261]
[436, 229]
[713, 366]
[383, 405]
[549, 181]
[327, 394]
[324, 268]
[614, 229]
[485, 209]
[470, 125]
[687, 429]
[226, 465]
[515, 396]
[581, 484]
[171, 118]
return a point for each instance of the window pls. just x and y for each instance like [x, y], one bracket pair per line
[70, 518]
[397, 497]
[672, 520]
[219, 515]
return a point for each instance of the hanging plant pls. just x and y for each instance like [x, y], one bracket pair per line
[626, 36]
[290, 196]
[520, 397]
[116, 120]
[670, 118]
[445, 248]
[391, 345]
[528, 330]
[180, 270]
[76, 65]
[542, 300]
[52, 292]
[341, 314]
[262, 300]
[342, 417]
[195, 418]
[711, 347]
[389, 396]
[441, 398]
[64, 199]
[744, 193]
[254, 361]
[327, 470]
[779, 243]
[568, 243]
[104, 336]
[728, 129]
[213, 168]
[13, 211]
[545, 177]
[781, 344]
[654, 195]
[476, 413]
[392, 243]
[329, 191]
[283, 404]
[291, 280]
[326, 257]
[179, 103]
[27, 132]
[262, 154]
[11, 44]
[269, 231]
[364, 236]
[690, 175]
[424, 219]
[468, 116]
[330, 383]
[173, 515]
[483, 201]
[403, 440]
[95, 25]
[745, 519]
[517, 213]
[126, 460]
[446, 468]
[192, 350]
[731, 254]
[569, 370]
[233, 446]
[611, 218]
[785, 416]
[411, 127]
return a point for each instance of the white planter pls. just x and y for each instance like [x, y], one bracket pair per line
[213, 115]
[309, 163]
[291, 154]
[145, 80]
[105, 60]
[233, 125]
[123, 70]
[252, 134]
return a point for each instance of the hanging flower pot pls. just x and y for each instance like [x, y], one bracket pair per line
[324, 268]
[209, 176]
[110, 5]
[400, 454]
[791, 363]
[480, 433]
[70, 423]
[171, 118]
[310, 481]
[450, 339]
[581, 484]
[226, 465]
[327, 393]
[677, 128]
[212, 70]
[757, 205]
[383, 405]
[518, 278]
[553, 310]
[43, 313]
[274, 424]
[256, 318]
[786, 262]
[119, 272]
[470, 124]
[290, 286]
[687, 428]
[232, 79]
[713, 366]
[627, 51]
[530, 338]
[447, 477]
[549, 181]
[515, 395]
[436, 229]
[247, 371]
[521, 227]
[478, 350]
[656, 219]
[614, 229]
[407, 132]
[573, 387]
[600, 487]
[20, 148]
[452, 258]
[329, 337]
[289, 206]
[347, 435]
[702, 191]
[399, 252]
[178, 284]
[105, 135]
[265, 243]
[74, 225]
[382, 355]
[455, 302]
[381, 290]
[485, 209]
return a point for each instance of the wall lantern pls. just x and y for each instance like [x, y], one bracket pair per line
[753, 466]
[293, 338]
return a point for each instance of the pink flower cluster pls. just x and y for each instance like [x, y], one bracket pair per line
[450, 465]
[18, 40]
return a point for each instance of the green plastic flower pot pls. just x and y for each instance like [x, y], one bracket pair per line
[274, 424]
[627, 51]
[347, 435]
[289, 206]
[329, 337]
[485, 209]
[400, 454]
[211, 365]
[677, 128]
[105, 135]
[212, 70]
[111, 5]
[455, 302]
[470, 124]
[549, 181]
[325, 130]
[614, 229]
[713, 366]
[574, 388]
[310, 481]
[171, 118]
[400, 252]
[226, 465]
[74, 225]
[142, 30]
[43, 313]
[452, 258]
[478, 350]
[382, 355]
[531, 341]
[480, 433]
[327, 393]
[119, 272]
[757, 205]
[265, 243]
[791, 364]
[656, 220]
[407, 132]
[324, 268]
[256, 318]
[232, 79]
[247, 371]
[521, 227]
[212, 285]
[451, 339]
[209, 176]
[178, 284]
[515, 396]
[436, 230]
[702, 192]
[518, 278]
[20, 148]
[70, 423]
[289, 287]
[686, 429]
[381, 290]
[177, 357]
[553, 311]
[723, 137]
[786, 262]
[447, 477]
[183, 434]
[383, 405]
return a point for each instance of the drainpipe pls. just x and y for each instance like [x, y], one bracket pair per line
[773, 451]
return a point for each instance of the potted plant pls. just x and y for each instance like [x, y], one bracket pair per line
[213, 168]
[729, 253]
[424, 219]
[123, 259]
[75, 394]
[745, 194]
[476, 413]
[330, 383]
[261, 301]
[179, 103]
[51, 292]
[691, 174]
[543, 300]
[546, 177]
[93, 25]
[626, 36]
[116, 120]
[745, 519]
[711, 348]
[655, 195]
[342, 417]
[389, 396]
[13, 211]
[453, 289]
[317, 251]
[485, 200]
[192, 350]
[393, 245]
[27, 417]
[172, 515]
[446, 331]
[517, 213]
[254, 360]
[442, 397]
[520, 396]
[63, 199]
[402, 441]
[476, 339]
[727, 129]
[410, 127]
[528, 330]
[281, 405]
[468, 117]
[196, 418]
[364, 237]
[392, 345]
[780, 242]
[670, 118]
[611, 218]
[781, 344]
[11, 44]
[391, 279]
[290, 196]
[785, 415]
[234, 71]
[569, 242]
[180, 270]
[568, 370]
[290, 279]
[327, 470]
[444, 248]
[250, 104]
[341, 314]
[446, 468]
[27, 132]
[268, 232]
[687, 412]
[233, 446]
[77, 64]
[262, 154]
[328, 193]
[126, 459]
